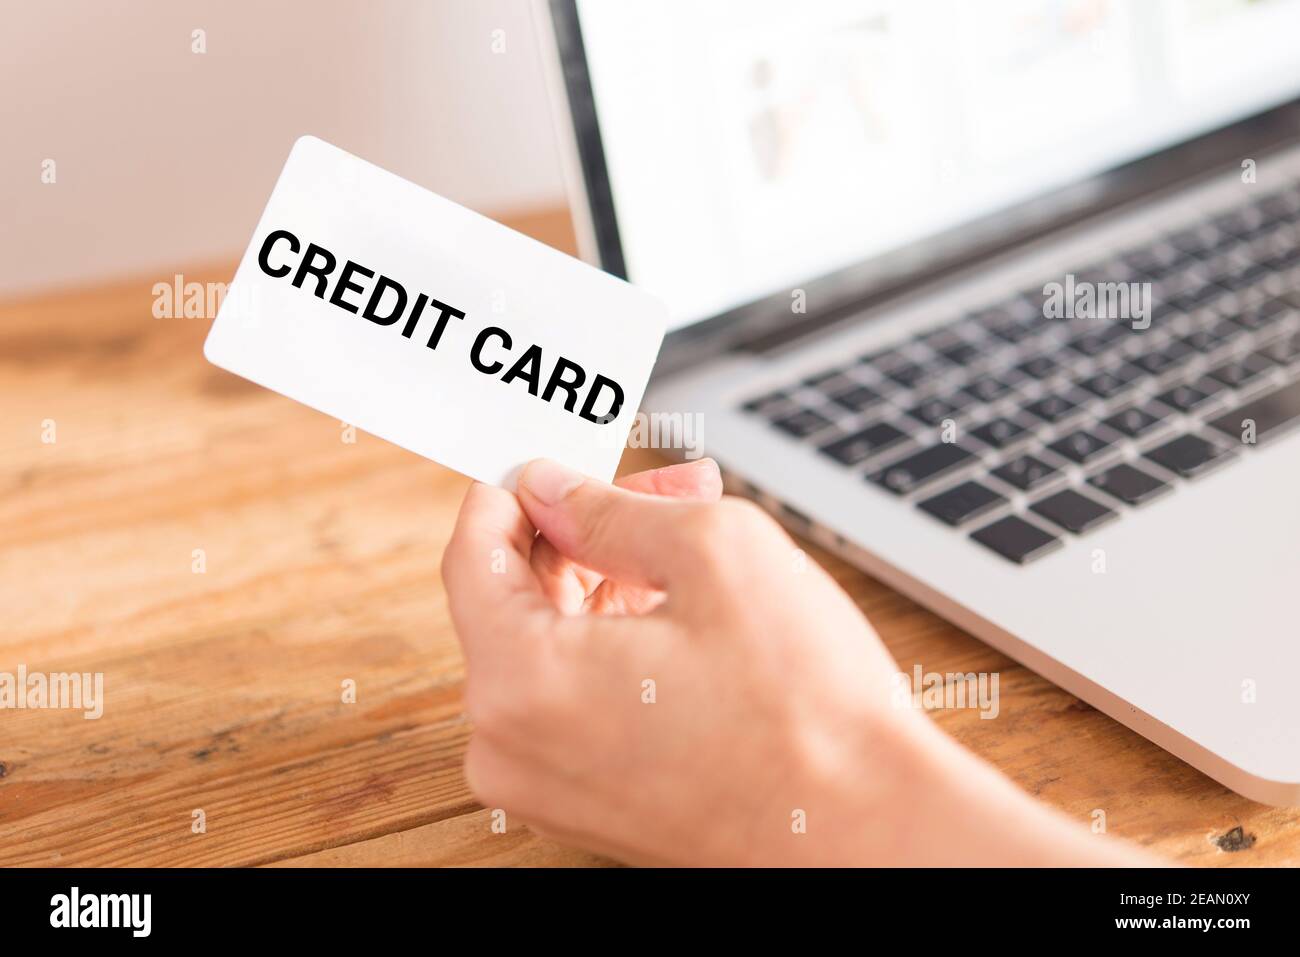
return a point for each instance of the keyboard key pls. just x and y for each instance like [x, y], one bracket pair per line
[1283, 256]
[883, 359]
[1186, 397]
[998, 433]
[1254, 269]
[1025, 472]
[766, 403]
[1224, 265]
[933, 411]
[907, 375]
[1283, 351]
[1080, 447]
[1281, 205]
[1129, 485]
[837, 385]
[1051, 408]
[1073, 512]
[1016, 330]
[1134, 421]
[828, 380]
[986, 389]
[1015, 539]
[1242, 223]
[1196, 241]
[803, 423]
[1111, 382]
[1095, 343]
[1272, 413]
[1234, 272]
[960, 353]
[1028, 306]
[1188, 455]
[1203, 340]
[992, 315]
[941, 337]
[1261, 315]
[922, 467]
[1160, 361]
[1195, 296]
[1116, 270]
[1089, 274]
[1039, 367]
[1241, 371]
[861, 445]
[1227, 331]
[962, 503]
[856, 399]
[1154, 261]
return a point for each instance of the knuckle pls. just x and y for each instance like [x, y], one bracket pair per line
[732, 521]
[729, 529]
[744, 515]
[485, 773]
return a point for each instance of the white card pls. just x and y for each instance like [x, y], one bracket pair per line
[503, 349]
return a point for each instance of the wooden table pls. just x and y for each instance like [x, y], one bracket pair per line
[225, 669]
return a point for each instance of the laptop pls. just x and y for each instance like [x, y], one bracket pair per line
[1000, 302]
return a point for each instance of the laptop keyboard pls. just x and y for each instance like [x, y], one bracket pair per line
[1020, 430]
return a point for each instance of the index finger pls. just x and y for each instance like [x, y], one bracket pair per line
[492, 592]
[699, 479]
[690, 480]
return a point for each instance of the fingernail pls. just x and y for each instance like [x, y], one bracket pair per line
[706, 472]
[549, 482]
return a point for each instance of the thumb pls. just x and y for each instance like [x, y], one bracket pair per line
[630, 537]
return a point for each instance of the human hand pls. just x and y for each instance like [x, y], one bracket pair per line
[666, 678]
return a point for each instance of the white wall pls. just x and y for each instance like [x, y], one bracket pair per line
[165, 157]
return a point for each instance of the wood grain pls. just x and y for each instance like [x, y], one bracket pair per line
[224, 688]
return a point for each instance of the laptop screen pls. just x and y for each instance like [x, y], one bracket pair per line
[753, 146]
